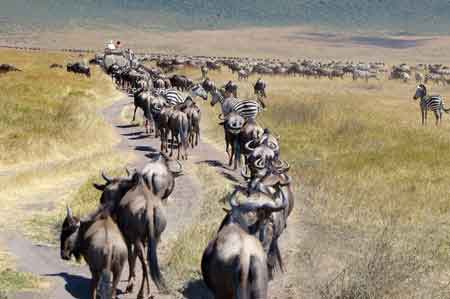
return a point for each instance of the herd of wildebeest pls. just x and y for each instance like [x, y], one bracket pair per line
[130, 219]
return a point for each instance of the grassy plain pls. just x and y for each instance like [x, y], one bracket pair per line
[365, 168]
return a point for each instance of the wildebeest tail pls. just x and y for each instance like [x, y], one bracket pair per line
[240, 278]
[105, 288]
[152, 254]
[258, 278]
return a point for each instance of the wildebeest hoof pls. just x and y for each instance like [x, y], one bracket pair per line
[129, 288]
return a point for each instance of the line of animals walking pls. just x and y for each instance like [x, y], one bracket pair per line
[130, 218]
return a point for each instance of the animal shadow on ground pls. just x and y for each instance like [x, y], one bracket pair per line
[142, 136]
[224, 170]
[196, 289]
[77, 286]
[127, 126]
[145, 149]
[137, 133]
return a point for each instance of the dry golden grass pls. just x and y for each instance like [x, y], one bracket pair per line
[53, 139]
[361, 162]
[284, 42]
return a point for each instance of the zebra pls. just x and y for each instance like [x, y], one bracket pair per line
[248, 109]
[175, 97]
[434, 103]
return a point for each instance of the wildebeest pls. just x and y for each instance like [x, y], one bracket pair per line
[231, 89]
[179, 129]
[234, 263]
[100, 243]
[56, 66]
[160, 177]
[242, 75]
[250, 132]
[5, 68]
[142, 100]
[181, 82]
[141, 219]
[232, 124]
[79, 68]
[194, 115]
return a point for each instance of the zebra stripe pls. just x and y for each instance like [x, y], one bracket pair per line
[248, 109]
[433, 103]
[172, 96]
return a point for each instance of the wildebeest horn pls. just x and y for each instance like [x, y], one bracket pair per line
[281, 165]
[269, 205]
[260, 163]
[180, 168]
[245, 173]
[221, 116]
[248, 147]
[127, 171]
[69, 212]
[105, 177]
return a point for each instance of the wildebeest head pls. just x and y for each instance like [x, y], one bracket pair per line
[233, 122]
[69, 234]
[115, 188]
[252, 209]
[421, 91]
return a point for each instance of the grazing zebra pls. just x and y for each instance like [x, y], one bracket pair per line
[175, 97]
[248, 109]
[434, 103]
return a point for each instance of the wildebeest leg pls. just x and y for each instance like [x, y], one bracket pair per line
[426, 116]
[237, 154]
[117, 273]
[145, 279]
[423, 116]
[94, 283]
[132, 267]
[230, 162]
[172, 144]
[134, 114]
[197, 137]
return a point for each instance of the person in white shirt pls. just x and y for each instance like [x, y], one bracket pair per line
[111, 46]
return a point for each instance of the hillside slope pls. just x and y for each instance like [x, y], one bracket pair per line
[411, 16]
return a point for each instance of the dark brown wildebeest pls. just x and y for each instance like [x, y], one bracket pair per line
[233, 124]
[99, 241]
[79, 68]
[194, 115]
[250, 132]
[159, 177]
[234, 264]
[179, 128]
[142, 100]
[275, 180]
[5, 68]
[140, 217]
